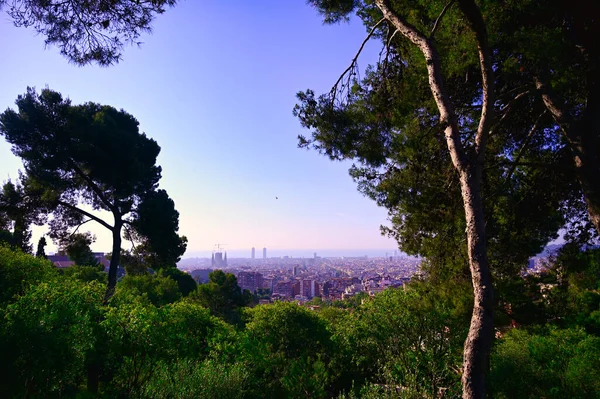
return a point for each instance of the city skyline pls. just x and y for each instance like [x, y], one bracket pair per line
[245, 253]
[229, 153]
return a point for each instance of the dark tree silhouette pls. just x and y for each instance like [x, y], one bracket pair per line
[87, 154]
[87, 31]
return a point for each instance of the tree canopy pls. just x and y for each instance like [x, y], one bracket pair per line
[463, 112]
[77, 247]
[87, 31]
[95, 155]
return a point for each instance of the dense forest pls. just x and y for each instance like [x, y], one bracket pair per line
[477, 130]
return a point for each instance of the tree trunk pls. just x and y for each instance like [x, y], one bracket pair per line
[582, 137]
[481, 331]
[114, 259]
[585, 156]
[478, 343]
[588, 174]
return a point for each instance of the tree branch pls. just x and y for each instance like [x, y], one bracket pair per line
[560, 117]
[506, 111]
[85, 213]
[355, 59]
[523, 146]
[477, 25]
[434, 73]
[77, 228]
[93, 186]
[439, 18]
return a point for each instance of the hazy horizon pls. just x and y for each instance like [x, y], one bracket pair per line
[298, 253]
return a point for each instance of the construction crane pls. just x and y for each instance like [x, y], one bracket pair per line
[218, 247]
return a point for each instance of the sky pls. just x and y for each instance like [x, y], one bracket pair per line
[215, 85]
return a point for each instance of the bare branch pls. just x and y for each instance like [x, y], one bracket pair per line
[93, 186]
[506, 111]
[477, 25]
[355, 59]
[391, 38]
[85, 213]
[523, 146]
[77, 228]
[434, 72]
[439, 18]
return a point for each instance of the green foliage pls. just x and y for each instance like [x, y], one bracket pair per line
[398, 344]
[157, 221]
[565, 294]
[19, 271]
[263, 293]
[388, 124]
[86, 273]
[185, 282]
[559, 364]
[87, 32]
[92, 154]
[77, 248]
[353, 302]
[190, 379]
[408, 339]
[287, 349]
[222, 296]
[143, 339]
[46, 335]
[133, 263]
[41, 245]
[157, 289]
[17, 212]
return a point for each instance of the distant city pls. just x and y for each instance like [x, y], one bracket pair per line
[302, 275]
[295, 253]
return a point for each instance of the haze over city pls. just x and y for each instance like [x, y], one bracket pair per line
[219, 103]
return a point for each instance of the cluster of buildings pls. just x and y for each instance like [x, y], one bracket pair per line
[301, 279]
[62, 260]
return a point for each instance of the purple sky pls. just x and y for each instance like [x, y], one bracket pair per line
[215, 85]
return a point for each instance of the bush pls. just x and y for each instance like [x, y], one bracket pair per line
[408, 339]
[556, 364]
[46, 337]
[193, 379]
[287, 350]
[142, 336]
[158, 290]
[18, 271]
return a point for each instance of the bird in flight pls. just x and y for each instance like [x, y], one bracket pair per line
[276, 197]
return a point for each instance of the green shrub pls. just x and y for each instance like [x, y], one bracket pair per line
[46, 336]
[18, 271]
[556, 364]
[190, 379]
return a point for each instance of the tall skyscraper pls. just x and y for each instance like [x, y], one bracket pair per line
[264, 253]
[253, 253]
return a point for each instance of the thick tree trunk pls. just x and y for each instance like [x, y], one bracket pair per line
[479, 341]
[114, 260]
[588, 174]
[585, 151]
[582, 137]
